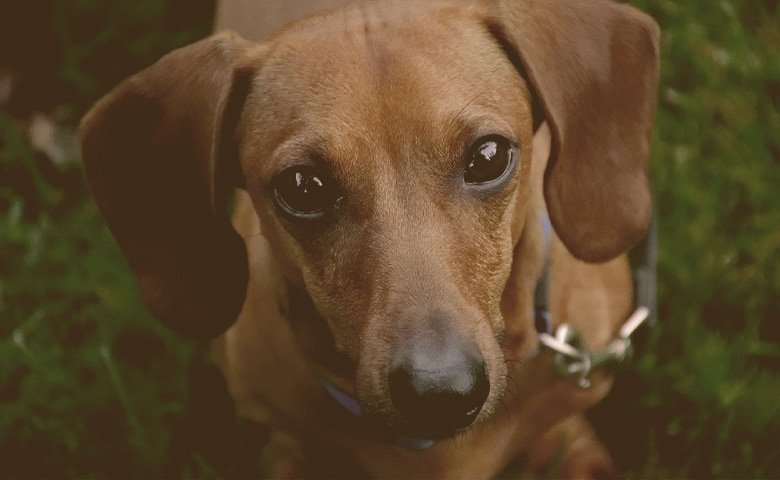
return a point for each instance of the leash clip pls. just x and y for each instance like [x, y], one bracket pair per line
[573, 358]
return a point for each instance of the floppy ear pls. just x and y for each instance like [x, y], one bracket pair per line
[159, 156]
[593, 65]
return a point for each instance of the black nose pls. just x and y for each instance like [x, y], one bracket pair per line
[439, 391]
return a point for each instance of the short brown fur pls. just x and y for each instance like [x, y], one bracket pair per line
[387, 97]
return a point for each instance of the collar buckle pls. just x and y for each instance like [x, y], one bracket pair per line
[573, 358]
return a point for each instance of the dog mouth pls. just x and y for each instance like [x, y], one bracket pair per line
[408, 437]
[418, 418]
[335, 376]
[411, 419]
[447, 417]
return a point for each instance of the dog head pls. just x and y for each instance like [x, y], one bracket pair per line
[386, 148]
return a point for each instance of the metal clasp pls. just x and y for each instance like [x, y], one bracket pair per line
[573, 358]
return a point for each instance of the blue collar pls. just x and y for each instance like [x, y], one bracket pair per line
[344, 399]
[541, 316]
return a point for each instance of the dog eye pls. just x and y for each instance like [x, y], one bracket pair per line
[304, 192]
[489, 159]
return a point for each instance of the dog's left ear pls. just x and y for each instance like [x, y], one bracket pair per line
[593, 66]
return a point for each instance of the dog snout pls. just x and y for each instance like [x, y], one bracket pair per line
[439, 385]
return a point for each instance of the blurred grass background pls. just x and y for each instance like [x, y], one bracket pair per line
[91, 386]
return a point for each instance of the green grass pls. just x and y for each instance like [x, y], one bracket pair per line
[91, 386]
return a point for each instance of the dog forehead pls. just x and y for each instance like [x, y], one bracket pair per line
[381, 44]
[380, 72]
[379, 15]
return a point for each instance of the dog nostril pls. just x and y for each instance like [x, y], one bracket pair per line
[441, 401]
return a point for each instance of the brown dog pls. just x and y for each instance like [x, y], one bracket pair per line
[392, 194]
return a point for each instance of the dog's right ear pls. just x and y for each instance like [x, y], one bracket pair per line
[161, 161]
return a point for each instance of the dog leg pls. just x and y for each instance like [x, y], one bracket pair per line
[570, 449]
[283, 457]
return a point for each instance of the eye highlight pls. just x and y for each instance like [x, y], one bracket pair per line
[305, 192]
[488, 160]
